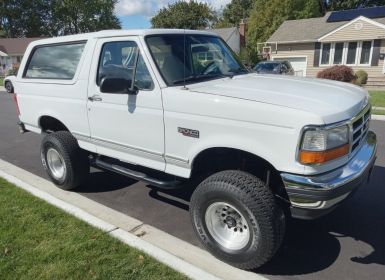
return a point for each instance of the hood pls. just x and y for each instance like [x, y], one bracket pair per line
[332, 101]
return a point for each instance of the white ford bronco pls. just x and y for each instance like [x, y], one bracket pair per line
[176, 109]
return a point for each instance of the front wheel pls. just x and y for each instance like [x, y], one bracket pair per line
[8, 87]
[65, 162]
[236, 218]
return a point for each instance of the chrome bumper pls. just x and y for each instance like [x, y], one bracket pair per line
[314, 196]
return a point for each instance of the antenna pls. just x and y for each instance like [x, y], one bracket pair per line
[184, 47]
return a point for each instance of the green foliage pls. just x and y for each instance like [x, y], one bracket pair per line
[362, 77]
[26, 18]
[189, 15]
[39, 241]
[267, 16]
[248, 57]
[335, 5]
[237, 10]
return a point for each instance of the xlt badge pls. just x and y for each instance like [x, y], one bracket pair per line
[189, 132]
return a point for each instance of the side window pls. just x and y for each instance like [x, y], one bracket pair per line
[55, 61]
[118, 61]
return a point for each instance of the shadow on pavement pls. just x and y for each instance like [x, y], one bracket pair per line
[100, 181]
[312, 246]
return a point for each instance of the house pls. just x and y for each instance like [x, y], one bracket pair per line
[12, 51]
[353, 37]
[233, 36]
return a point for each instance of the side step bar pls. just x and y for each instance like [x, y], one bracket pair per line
[162, 184]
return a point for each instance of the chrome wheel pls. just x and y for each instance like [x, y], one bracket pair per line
[56, 164]
[227, 226]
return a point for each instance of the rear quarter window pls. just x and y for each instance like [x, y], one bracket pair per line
[54, 61]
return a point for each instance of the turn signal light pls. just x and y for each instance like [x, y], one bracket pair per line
[311, 157]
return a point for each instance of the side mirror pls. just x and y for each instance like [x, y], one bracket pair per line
[116, 85]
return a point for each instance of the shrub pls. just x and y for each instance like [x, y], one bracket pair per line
[362, 77]
[338, 73]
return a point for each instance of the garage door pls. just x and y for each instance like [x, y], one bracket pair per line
[298, 63]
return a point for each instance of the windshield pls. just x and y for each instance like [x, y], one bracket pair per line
[266, 67]
[192, 58]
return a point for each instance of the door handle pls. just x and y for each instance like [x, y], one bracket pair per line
[95, 98]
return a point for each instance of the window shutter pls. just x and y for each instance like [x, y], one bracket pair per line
[376, 52]
[317, 49]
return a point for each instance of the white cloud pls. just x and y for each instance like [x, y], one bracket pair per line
[149, 8]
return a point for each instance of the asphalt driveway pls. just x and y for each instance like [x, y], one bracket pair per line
[347, 244]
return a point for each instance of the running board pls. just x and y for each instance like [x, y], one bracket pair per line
[140, 176]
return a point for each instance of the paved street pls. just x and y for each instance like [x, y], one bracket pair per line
[347, 244]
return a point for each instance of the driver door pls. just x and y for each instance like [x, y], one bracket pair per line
[126, 126]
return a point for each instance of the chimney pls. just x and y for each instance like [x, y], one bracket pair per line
[242, 32]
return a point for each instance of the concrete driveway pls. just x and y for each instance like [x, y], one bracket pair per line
[347, 244]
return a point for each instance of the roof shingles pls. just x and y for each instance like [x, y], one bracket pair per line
[15, 46]
[307, 30]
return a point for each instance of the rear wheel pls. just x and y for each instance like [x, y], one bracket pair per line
[8, 87]
[237, 219]
[65, 162]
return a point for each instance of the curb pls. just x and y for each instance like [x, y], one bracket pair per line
[378, 117]
[169, 250]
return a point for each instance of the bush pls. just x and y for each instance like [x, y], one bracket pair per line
[338, 73]
[13, 70]
[362, 77]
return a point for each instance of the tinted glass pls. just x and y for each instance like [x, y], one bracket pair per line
[352, 49]
[55, 62]
[192, 58]
[117, 60]
[325, 56]
[338, 51]
[267, 67]
[365, 52]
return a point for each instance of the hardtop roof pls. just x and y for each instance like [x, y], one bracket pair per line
[118, 33]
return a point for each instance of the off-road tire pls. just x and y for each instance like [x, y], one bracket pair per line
[75, 159]
[8, 87]
[256, 203]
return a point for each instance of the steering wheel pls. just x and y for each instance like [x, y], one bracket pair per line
[207, 69]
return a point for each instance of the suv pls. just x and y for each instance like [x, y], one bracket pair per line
[253, 150]
[274, 67]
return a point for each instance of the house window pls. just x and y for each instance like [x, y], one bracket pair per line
[338, 53]
[349, 53]
[365, 52]
[325, 55]
[352, 52]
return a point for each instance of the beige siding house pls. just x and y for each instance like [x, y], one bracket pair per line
[318, 43]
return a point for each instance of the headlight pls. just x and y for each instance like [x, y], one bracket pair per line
[320, 145]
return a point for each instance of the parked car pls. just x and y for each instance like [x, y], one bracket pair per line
[8, 83]
[274, 67]
[255, 150]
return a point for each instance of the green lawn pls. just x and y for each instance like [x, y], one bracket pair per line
[39, 241]
[1, 81]
[377, 98]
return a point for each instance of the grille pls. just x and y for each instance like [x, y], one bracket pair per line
[360, 127]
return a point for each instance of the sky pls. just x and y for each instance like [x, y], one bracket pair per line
[138, 13]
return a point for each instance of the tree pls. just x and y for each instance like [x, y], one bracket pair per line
[234, 12]
[335, 5]
[189, 15]
[26, 18]
[267, 16]
[73, 16]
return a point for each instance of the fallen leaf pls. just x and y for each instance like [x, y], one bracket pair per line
[141, 234]
[141, 259]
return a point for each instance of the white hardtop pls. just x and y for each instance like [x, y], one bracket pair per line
[117, 33]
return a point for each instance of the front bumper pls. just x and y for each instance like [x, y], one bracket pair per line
[314, 196]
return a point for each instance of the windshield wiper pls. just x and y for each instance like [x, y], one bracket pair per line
[200, 78]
